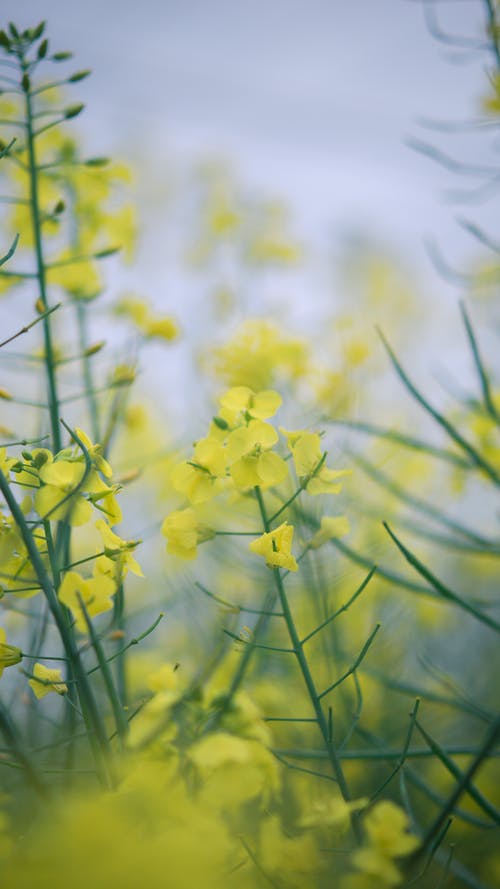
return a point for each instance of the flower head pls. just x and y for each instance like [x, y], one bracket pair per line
[276, 547]
[9, 654]
[45, 680]
[95, 592]
[183, 532]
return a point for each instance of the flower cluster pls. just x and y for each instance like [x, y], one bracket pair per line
[239, 454]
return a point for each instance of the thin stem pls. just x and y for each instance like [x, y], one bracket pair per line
[306, 673]
[37, 235]
[96, 734]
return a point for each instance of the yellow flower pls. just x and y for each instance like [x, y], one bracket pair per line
[96, 593]
[117, 560]
[161, 328]
[6, 462]
[95, 452]
[60, 496]
[387, 838]
[326, 481]
[258, 353]
[374, 863]
[9, 654]
[249, 455]
[259, 405]
[336, 812]
[79, 277]
[331, 528]
[306, 453]
[183, 533]
[199, 479]
[104, 498]
[46, 680]
[150, 326]
[276, 548]
[386, 826]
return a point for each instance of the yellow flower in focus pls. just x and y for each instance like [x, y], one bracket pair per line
[104, 498]
[117, 560]
[60, 496]
[95, 592]
[9, 654]
[263, 470]
[183, 533]
[46, 680]
[276, 548]
[248, 450]
[95, 452]
[199, 479]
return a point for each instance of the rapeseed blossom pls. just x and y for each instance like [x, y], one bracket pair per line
[95, 593]
[308, 460]
[276, 548]
[118, 559]
[387, 839]
[9, 654]
[46, 680]
[184, 532]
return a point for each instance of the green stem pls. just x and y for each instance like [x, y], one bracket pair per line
[95, 729]
[40, 264]
[116, 704]
[120, 623]
[11, 736]
[306, 673]
[90, 393]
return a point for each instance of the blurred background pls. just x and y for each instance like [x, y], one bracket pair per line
[299, 115]
[311, 101]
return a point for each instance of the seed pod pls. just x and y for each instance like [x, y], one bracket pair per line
[80, 75]
[42, 49]
[97, 161]
[39, 30]
[73, 111]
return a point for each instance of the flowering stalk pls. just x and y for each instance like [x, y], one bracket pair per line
[306, 673]
[50, 367]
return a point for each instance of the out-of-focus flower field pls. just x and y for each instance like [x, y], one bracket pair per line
[255, 645]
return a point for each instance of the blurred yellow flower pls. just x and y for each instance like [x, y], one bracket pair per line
[9, 654]
[95, 592]
[184, 532]
[46, 680]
